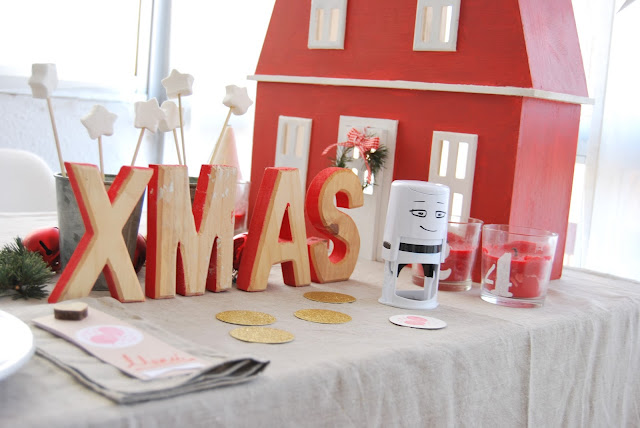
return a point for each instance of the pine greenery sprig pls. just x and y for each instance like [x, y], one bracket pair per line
[344, 156]
[23, 272]
[375, 158]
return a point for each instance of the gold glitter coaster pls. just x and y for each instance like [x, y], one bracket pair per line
[261, 335]
[322, 316]
[246, 317]
[329, 297]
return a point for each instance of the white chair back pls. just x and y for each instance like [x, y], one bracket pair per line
[26, 182]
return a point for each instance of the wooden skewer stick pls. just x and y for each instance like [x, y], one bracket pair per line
[184, 153]
[135, 154]
[101, 158]
[175, 138]
[217, 146]
[55, 136]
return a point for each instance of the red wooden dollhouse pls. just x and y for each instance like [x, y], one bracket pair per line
[502, 78]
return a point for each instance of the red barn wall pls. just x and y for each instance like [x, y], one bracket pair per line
[553, 47]
[544, 169]
[379, 45]
[495, 119]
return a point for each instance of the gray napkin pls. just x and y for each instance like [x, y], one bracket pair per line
[109, 381]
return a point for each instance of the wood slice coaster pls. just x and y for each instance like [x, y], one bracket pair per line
[71, 311]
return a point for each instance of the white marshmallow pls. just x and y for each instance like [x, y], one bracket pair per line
[178, 84]
[99, 122]
[171, 120]
[148, 115]
[44, 80]
[237, 99]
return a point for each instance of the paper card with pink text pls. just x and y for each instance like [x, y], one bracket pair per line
[123, 346]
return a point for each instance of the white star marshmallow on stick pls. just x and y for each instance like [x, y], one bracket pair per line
[238, 101]
[43, 81]
[148, 116]
[178, 85]
[99, 122]
[170, 123]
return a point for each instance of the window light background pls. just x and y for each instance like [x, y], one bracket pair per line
[219, 42]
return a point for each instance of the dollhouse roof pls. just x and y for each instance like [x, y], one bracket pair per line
[530, 44]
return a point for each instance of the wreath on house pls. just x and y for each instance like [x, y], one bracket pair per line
[368, 145]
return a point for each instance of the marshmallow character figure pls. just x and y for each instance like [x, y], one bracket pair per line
[415, 232]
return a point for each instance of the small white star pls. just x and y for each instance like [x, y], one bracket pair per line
[148, 115]
[178, 84]
[237, 99]
[171, 120]
[44, 80]
[99, 121]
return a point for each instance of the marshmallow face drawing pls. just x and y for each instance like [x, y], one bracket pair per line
[415, 233]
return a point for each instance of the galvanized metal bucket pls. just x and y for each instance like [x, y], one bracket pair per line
[72, 227]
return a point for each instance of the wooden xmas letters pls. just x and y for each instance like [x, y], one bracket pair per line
[190, 246]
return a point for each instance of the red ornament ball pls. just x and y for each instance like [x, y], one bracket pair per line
[45, 241]
[239, 241]
[140, 254]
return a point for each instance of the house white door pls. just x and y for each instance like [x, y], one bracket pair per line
[370, 218]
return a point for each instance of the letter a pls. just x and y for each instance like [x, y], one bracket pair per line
[277, 233]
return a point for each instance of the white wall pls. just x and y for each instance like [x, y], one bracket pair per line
[25, 124]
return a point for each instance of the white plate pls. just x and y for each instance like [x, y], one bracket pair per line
[16, 344]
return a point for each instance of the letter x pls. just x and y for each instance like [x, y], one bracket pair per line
[102, 248]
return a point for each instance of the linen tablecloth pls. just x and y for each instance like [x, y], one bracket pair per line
[573, 362]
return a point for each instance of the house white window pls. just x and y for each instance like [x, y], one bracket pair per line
[292, 145]
[436, 25]
[453, 163]
[327, 24]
